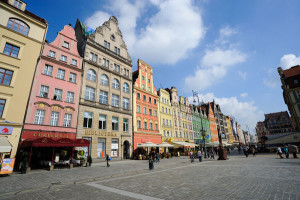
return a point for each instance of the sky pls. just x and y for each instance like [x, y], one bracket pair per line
[227, 51]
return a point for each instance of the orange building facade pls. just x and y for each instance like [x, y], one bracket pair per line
[212, 124]
[145, 107]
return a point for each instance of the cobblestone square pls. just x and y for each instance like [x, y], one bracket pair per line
[260, 177]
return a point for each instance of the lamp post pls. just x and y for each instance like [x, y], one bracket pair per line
[221, 151]
[204, 137]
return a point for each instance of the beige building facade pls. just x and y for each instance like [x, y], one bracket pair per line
[105, 107]
[21, 37]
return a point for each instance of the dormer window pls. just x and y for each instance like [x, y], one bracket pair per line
[112, 37]
[17, 4]
[66, 45]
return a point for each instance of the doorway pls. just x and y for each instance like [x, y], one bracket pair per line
[126, 150]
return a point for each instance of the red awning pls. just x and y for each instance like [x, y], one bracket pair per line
[49, 142]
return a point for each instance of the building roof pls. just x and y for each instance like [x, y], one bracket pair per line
[293, 71]
[26, 12]
[276, 115]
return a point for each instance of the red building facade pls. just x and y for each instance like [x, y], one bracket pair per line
[145, 107]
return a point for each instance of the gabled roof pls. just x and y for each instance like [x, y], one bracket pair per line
[293, 71]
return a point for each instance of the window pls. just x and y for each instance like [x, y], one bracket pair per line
[116, 84]
[163, 121]
[150, 99]
[138, 109]
[167, 122]
[93, 57]
[11, 50]
[70, 97]
[102, 122]
[144, 97]
[72, 77]
[115, 123]
[5, 76]
[170, 122]
[167, 110]
[162, 109]
[143, 86]
[125, 103]
[154, 101]
[155, 113]
[149, 89]
[63, 58]
[143, 78]
[164, 133]
[44, 91]
[104, 80]
[66, 44]
[106, 44]
[74, 62]
[150, 112]
[126, 88]
[51, 54]
[18, 26]
[296, 81]
[138, 123]
[88, 120]
[60, 74]
[103, 97]
[115, 100]
[148, 80]
[156, 126]
[54, 119]
[91, 75]
[2, 105]
[145, 125]
[101, 148]
[105, 63]
[17, 4]
[39, 117]
[116, 68]
[117, 50]
[67, 120]
[48, 70]
[151, 126]
[57, 94]
[126, 72]
[125, 125]
[89, 93]
[114, 147]
[138, 95]
[145, 110]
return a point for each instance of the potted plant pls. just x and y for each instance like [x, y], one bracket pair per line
[90, 160]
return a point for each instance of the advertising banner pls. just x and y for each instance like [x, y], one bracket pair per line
[7, 166]
[6, 130]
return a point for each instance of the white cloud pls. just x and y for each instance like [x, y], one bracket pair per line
[272, 80]
[227, 31]
[246, 113]
[289, 60]
[214, 66]
[167, 37]
[97, 18]
[243, 75]
[244, 94]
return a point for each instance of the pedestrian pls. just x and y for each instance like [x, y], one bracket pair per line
[239, 150]
[212, 154]
[279, 152]
[228, 149]
[199, 155]
[107, 159]
[245, 149]
[157, 157]
[286, 151]
[253, 151]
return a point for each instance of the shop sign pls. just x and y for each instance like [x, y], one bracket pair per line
[100, 133]
[7, 166]
[6, 130]
[50, 135]
[114, 146]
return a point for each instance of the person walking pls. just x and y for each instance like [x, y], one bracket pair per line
[286, 151]
[245, 149]
[199, 156]
[191, 156]
[157, 157]
[279, 152]
[107, 159]
[212, 154]
[253, 151]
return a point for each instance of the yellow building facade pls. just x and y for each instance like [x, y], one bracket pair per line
[230, 133]
[21, 37]
[184, 118]
[165, 116]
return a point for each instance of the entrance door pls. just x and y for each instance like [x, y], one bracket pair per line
[126, 150]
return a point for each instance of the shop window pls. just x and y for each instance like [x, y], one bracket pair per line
[88, 120]
[114, 147]
[101, 151]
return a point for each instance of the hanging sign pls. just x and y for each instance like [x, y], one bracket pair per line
[6, 130]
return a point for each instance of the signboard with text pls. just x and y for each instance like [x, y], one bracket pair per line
[7, 166]
[6, 130]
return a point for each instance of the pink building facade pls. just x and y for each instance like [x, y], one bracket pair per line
[53, 105]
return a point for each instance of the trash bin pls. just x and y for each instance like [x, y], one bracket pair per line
[151, 165]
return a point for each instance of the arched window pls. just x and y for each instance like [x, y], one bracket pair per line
[116, 84]
[91, 75]
[104, 79]
[18, 25]
[125, 87]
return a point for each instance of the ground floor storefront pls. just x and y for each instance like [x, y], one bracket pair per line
[142, 138]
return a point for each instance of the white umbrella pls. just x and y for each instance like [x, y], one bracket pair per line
[147, 144]
[165, 144]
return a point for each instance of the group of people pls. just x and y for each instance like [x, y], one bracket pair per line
[210, 154]
[251, 150]
[287, 150]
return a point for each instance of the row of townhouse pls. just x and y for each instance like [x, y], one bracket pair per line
[81, 86]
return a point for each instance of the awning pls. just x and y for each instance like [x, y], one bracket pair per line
[5, 146]
[49, 142]
[147, 144]
[216, 144]
[185, 144]
[165, 144]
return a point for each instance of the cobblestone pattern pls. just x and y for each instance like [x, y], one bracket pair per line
[262, 177]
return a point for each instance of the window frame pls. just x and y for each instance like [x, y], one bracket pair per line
[103, 97]
[13, 48]
[67, 120]
[89, 93]
[5, 74]
[2, 107]
[14, 21]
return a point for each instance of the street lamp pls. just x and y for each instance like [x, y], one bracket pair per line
[204, 137]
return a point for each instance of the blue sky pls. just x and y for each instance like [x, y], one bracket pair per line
[225, 50]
